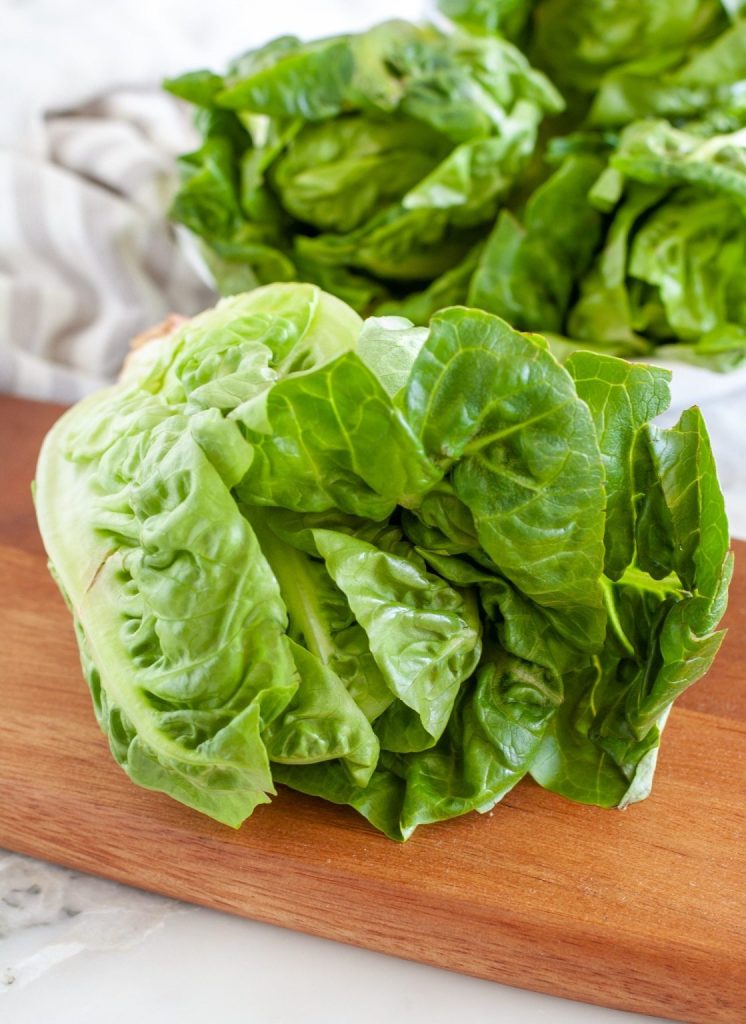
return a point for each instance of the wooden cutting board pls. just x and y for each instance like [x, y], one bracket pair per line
[642, 910]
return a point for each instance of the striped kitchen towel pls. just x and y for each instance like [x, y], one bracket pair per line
[87, 148]
[87, 256]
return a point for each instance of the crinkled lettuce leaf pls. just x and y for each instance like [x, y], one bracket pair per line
[496, 410]
[423, 635]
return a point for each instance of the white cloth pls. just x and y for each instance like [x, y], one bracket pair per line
[87, 147]
[88, 257]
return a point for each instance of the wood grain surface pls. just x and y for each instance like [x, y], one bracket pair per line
[642, 910]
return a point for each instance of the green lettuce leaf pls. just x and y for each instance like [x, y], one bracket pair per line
[707, 87]
[527, 273]
[581, 42]
[623, 398]
[322, 722]
[319, 615]
[496, 409]
[509, 17]
[424, 636]
[310, 438]
[492, 737]
[663, 612]
[496, 727]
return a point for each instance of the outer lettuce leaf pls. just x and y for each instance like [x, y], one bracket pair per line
[305, 401]
[311, 441]
[186, 669]
[679, 493]
[622, 398]
[663, 613]
[196, 686]
[571, 759]
[498, 408]
[234, 353]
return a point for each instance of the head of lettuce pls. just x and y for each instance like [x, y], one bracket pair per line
[370, 164]
[394, 567]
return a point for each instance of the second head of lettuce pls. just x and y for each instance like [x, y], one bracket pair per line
[370, 164]
[394, 567]
[633, 250]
